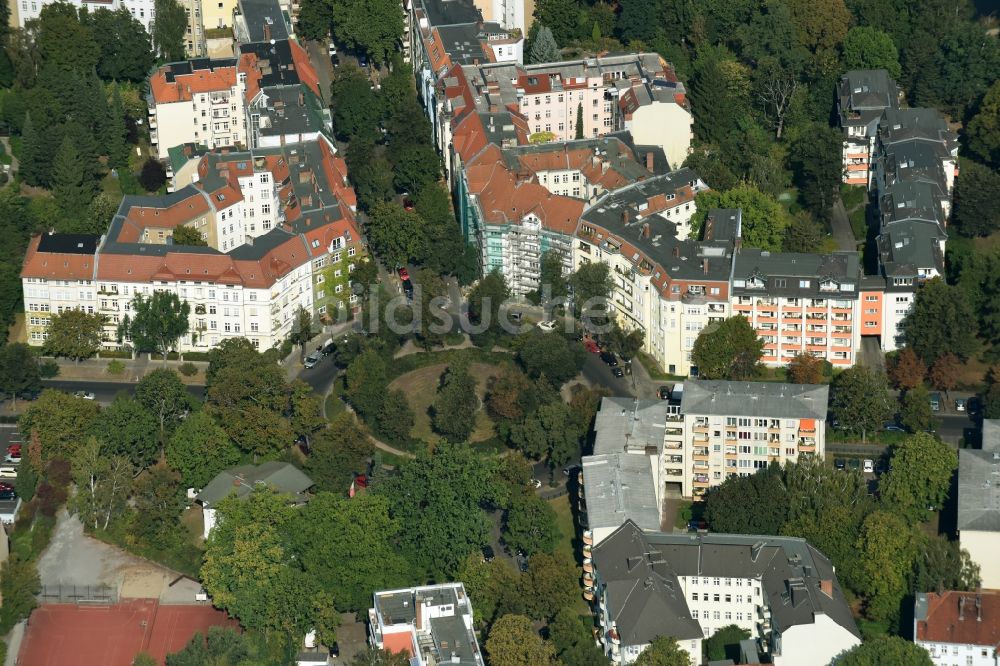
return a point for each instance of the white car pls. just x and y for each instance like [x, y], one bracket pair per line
[86, 395]
[547, 326]
[332, 49]
[535, 483]
[869, 466]
[10, 458]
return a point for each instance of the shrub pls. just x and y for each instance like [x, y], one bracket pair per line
[116, 367]
[188, 369]
[153, 176]
[48, 369]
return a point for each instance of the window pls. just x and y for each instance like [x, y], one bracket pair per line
[265, 178]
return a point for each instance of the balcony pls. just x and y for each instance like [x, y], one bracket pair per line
[701, 482]
[701, 454]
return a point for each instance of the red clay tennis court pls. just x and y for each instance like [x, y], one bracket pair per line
[71, 635]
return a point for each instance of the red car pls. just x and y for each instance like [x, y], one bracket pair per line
[361, 480]
[408, 205]
[404, 274]
[591, 346]
[14, 450]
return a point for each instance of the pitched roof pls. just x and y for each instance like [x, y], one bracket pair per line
[180, 81]
[963, 618]
[60, 257]
[765, 399]
[282, 477]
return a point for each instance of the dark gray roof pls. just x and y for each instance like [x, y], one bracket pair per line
[915, 123]
[681, 259]
[264, 20]
[790, 571]
[765, 399]
[660, 163]
[911, 200]
[454, 642]
[452, 638]
[913, 161]
[275, 62]
[289, 110]
[69, 243]
[978, 490]
[832, 275]
[615, 153]
[282, 477]
[463, 42]
[905, 247]
[864, 94]
[450, 12]
[723, 225]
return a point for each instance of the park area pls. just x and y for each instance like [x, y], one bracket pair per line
[420, 387]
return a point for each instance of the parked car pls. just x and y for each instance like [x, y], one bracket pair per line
[854, 464]
[935, 400]
[86, 395]
[8, 471]
[312, 360]
[609, 358]
[839, 463]
[7, 491]
[869, 466]
[361, 480]
[362, 60]
[617, 372]
[408, 289]
[697, 525]
[522, 561]
[332, 49]
[535, 483]
[13, 458]
[516, 316]
[29, 394]
[548, 325]
[403, 273]
[14, 449]
[591, 345]
[663, 393]
[329, 349]
[488, 554]
[960, 405]
[893, 427]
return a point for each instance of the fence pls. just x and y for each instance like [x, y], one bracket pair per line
[93, 595]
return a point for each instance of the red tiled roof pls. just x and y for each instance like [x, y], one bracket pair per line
[56, 266]
[947, 622]
[305, 69]
[186, 85]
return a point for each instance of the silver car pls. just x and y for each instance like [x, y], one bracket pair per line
[312, 360]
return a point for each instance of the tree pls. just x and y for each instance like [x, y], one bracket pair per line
[513, 641]
[730, 350]
[199, 449]
[159, 501]
[145, 659]
[805, 369]
[817, 170]
[867, 47]
[860, 401]
[339, 453]
[355, 106]
[168, 30]
[19, 583]
[552, 285]
[349, 545]
[440, 498]
[940, 321]
[223, 646]
[249, 570]
[579, 122]
[163, 394]
[551, 356]
[124, 44]
[18, 370]
[485, 302]
[625, 344]
[74, 334]
[430, 293]
[804, 234]
[561, 16]
[887, 548]
[637, 21]
[663, 651]
[983, 131]
[61, 421]
[302, 330]
[365, 382]
[314, 20]
[820, 26]
[922, 467]
[395, 418]
[915, 412]
[102, 484]
[728, 506]
[945, 372]
[368, 26]
[976, 189]
[395, 234]
[552, 431]
[530, 524]
[887, 651]
[942, 565]
[158, 324]
[71, 187]
[591, 284]
[764, 220]
[509, 394]
[372, 657]
[905, 369]
[153, 176]
[33, 162]
[115, 134]
[126, 428]
[544, 48]
[456, 403]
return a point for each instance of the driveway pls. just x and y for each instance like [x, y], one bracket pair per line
[75, 559]
[841, 226]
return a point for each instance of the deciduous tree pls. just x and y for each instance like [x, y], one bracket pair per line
[126, 428]
[922, 467]
[977, 189]
[168, 31]
[940, 321]
[456, 403]
[887, 651]
[513, 641]
[728, 508]
[983, 132]
[485, 301]
[905, 369]
[61, 421]
[663, 651]
[860, 402]
[74, 334]
[817, 170]
[102, 484]
[730, 350]
[887, 548]
[159, 500]
[530, 524]
[395, 234]
[158, 324]
[805, 369]
[368, 26]
[942, 564]
[867, 47]
[945, 372]
[18, 370]
[551, 356]
[163, 394]
[199, 449]
[560, 16]
[339, 453]
[764, 220]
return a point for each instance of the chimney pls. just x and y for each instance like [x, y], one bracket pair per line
[420, 616]
[267, 32]
[704, 266]
[676, 251]
[645, 230]
[826, 587]
[979, 608]
[649, 161]
[961, 607]
[625, 217]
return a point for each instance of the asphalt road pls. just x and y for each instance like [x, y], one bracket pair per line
[105, 392]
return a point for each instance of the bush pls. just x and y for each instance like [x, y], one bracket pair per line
[108, 353]
[153, 176]
[188, 369]
[116, 368]
[286, 348]
[197, 356]
[48, 369]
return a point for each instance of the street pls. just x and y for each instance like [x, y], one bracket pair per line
[105, 392]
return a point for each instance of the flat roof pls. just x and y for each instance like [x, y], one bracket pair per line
[620, 487]
[978, 490]
[764, 399]
[261, 13]
[623, 423]
[69, 243]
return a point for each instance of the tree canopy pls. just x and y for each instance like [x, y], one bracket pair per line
[730, 350]
[764, 220]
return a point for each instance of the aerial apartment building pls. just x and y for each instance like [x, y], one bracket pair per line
[281, 234]
[431, 625]
[781, 590]
[799, 303]
[143, 11]
[862, 97]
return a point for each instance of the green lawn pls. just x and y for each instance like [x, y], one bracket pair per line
[564, 520]
[852, 195]
[420, 387]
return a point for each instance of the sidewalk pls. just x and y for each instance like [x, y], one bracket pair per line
[96, 370]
